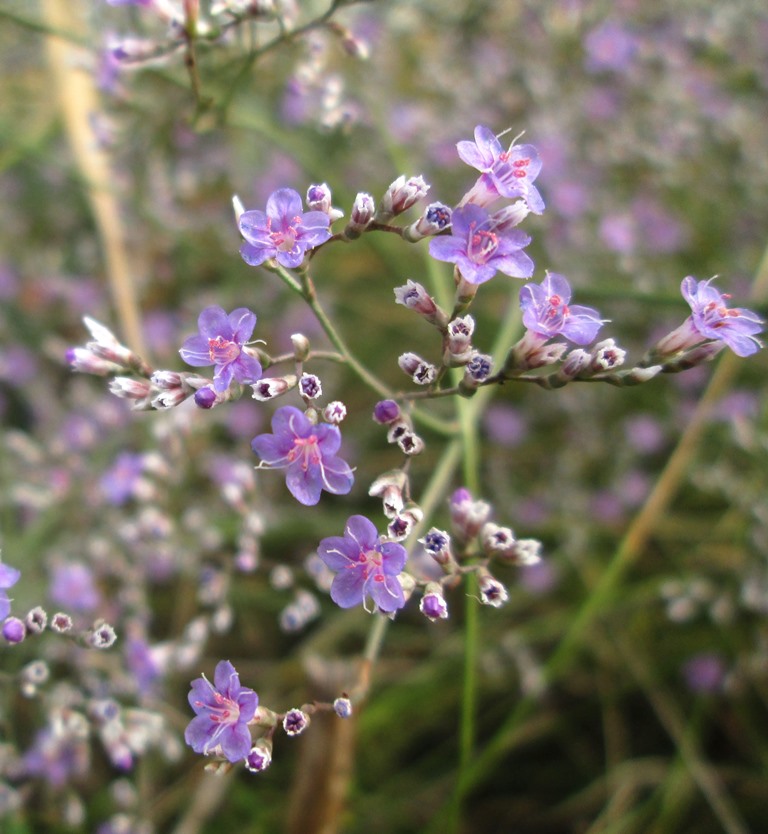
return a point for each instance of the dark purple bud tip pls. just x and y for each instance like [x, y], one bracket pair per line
[205, 397]
[386, 411]
[14, 630]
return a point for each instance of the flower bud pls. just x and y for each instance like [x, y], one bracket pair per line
[300, 347]
[460, 332]
[310, 386]
[386, 411]
[295, 722]
[205, 398]
[433, 605]
[267, 388]
[509, 217]
[400, 196]
[319, 199]
[468, 516]
[437, 543]
[495, 540]
[13, 630]
[492, 592]
[342, 707]
[435, 219]
[335, 412]
[410, 443]
[363, 212]
[416, 298]
[259, 757]
[606, 355]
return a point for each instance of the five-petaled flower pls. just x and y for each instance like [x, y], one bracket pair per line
[308, 454]
[711, 320]
[223, 710]
[220, 343]
[547, 313]
[504, 173]
[284, 232]
[479, 248]
[365, 566]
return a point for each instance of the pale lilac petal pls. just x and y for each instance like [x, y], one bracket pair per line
[271, 449]
[235, 742]
[292, 258]
[304, 486]
[386, 594]
[347, 588]
[283, 203]
[362, 531]
[242, 321]
[222, 376]
[213, 322]
[195, 352]
[289, 420]
[337, 552]
[515, 264]
[447, 248]
[328, 438]
[255, 255]
[254, 226]
[394, 557]
[8, 576]
[247, 369]
[198, 733]
[337, 476]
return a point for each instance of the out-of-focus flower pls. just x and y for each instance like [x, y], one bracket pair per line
[220, 343]
[119, 482]
[308, 454]
[284, 232]
[478, 250]
[223, 710]
[72, 586]
[8, 578]
[365, 566]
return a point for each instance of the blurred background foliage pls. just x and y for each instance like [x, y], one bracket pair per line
[624, 686]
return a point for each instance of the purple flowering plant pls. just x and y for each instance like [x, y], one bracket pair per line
[366, 567]
[222, 342]
[307, 452]
[397, 387]
[222, 712]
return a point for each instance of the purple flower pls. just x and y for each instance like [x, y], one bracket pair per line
[119, 482]
[365, 566]
[711, 318]
[220, 343]
[8, 578]
[308, 454]
[478, 249]
[223, 710]
[546, 311]
[507, 173]
[72, 586]
[284, 232]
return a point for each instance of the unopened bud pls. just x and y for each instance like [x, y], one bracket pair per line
[363, 212]
[400, 196]
[267, 388]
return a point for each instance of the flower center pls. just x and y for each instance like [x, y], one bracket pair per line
[226, 711]
[284, 239]
[305, 451]
[482, 246]
[222, 351]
